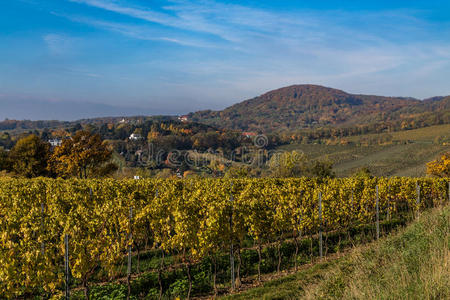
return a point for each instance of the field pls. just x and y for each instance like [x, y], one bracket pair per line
[425, 134]
[407, 155]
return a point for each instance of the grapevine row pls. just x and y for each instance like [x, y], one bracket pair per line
[191, 217]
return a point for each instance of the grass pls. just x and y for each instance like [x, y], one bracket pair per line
[425, 134]
[410, 264]
[386, 160]
[393, 160]
[407, 155]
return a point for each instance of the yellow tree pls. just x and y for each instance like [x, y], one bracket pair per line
[440, 167]
[84, 155]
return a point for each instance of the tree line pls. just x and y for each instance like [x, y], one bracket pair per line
[83, 155]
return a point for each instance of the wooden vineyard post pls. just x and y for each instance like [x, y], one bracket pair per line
[320, 225]
[377, 213]
[418, 198]
[352, 212]
[231, 242]
[389, 203]
[299, 231]
[129, 255]
[66, 266]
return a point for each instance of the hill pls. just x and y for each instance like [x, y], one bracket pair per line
[305, 106]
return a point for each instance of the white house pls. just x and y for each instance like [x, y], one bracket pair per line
[135, 136]
[55, 142]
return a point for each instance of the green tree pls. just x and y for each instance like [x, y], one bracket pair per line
[85, 155]
[29, 157]
[363, 172]
[3, 159]
[288, 164]
[322, 168]
[238, 172]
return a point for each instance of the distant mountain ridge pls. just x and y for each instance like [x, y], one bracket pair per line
[289, 108]
[300, 106]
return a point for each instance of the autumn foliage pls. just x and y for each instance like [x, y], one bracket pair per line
[188, 216]
[440, 167]
[83, 155]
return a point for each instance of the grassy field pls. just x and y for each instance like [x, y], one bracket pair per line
[407, 155]
[410, 264]
[426, 134]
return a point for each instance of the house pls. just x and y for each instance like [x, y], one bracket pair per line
[249, 134]
[135, 137]
[56, 142]
[183, 118]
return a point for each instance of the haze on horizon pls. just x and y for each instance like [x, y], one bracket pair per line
[71, 59]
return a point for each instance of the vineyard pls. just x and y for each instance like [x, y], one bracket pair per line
[56, 234]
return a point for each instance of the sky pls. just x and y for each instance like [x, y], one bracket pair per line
[71, 59]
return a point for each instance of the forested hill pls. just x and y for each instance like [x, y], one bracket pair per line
[306, 106]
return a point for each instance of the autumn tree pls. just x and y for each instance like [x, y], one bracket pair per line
[84, 155]
[440, 167]
[29, 157]
[153, 136]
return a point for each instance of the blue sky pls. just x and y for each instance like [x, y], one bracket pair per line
[83, 58]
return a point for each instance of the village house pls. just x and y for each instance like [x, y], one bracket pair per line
[135, 137]
[56, 142]
[183, 118]
[249, 134]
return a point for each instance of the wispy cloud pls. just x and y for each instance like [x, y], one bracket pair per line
[323, 46]
[58, 44]
[212, 53]
[184, 17]
[141, 32]
[137, 12]
[237, 22]
[84, 73]
[245, 26]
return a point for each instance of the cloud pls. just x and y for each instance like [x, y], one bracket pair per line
[236, 23]
[233, 23]
[263, 32]
[325, 46]
[241, 51]
[58, 44]
[81, 72]
[142, 32]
